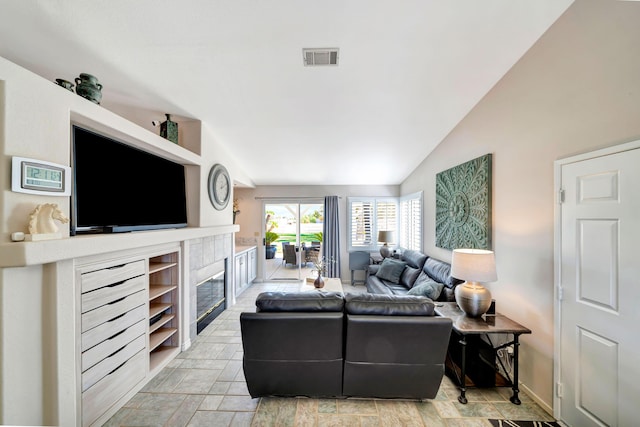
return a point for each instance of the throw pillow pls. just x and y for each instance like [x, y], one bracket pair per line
[423, 278]
[409, 276]
[391, 270]
[426, 287]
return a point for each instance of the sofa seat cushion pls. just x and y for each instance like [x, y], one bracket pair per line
[376, 286]
[388, 305]
[300, 302]
[397, 288]
[391, 270]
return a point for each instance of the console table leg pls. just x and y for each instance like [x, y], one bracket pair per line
[514, 398]
[463, 371]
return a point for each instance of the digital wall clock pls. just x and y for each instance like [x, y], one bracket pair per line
[39, 177]
[219, 185]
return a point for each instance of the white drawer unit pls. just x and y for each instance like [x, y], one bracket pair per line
[108, 329]
[110, 275]
[97, 399]
[113, 335]
[113, 309]
[113, 345]
[128, 326]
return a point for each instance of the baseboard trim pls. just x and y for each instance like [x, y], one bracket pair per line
[544, 405]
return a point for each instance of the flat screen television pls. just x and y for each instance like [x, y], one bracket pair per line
[119, 188]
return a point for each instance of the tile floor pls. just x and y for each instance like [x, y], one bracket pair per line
[204, 386]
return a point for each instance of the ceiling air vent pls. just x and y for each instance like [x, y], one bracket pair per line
[317, 57]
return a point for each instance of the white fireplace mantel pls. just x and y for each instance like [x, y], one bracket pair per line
[20, 254]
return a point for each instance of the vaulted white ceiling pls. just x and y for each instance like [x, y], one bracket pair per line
[409, 71]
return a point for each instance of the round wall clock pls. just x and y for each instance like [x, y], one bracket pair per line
[219, 186]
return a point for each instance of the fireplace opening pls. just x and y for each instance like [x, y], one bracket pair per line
[210, 300]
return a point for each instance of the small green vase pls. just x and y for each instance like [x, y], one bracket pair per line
[89, 88]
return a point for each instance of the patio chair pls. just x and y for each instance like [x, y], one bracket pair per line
[289, 255]
[312, 254]
[283, 245]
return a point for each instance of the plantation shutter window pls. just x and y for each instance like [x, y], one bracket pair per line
[361, 224]
[411, 222]
[367, 216]
[386, 217]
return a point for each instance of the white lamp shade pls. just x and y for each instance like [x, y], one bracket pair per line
[474, 265]
[386, 236]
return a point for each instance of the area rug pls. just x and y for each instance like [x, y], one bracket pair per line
[516, 423]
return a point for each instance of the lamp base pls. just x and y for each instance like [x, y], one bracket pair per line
[384, 251]
[473, 298]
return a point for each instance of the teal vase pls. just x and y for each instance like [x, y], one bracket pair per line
[87, 86]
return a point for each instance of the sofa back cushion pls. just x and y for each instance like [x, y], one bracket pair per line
[388, 305]
[413, 258]
[440, 271]
[390, 352]
[391, 270]
[299, 302]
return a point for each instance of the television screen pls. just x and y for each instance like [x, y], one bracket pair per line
[118, 188]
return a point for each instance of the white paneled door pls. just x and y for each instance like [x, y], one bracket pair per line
[599, 310]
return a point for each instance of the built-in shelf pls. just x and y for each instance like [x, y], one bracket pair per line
[160, 323]
[164, 336]
[157, 308]
[159, 290]
[155, 267]
[160, 336]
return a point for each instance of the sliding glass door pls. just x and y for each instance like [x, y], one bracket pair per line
[293, 235]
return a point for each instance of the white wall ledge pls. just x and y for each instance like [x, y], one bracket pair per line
[20, 254]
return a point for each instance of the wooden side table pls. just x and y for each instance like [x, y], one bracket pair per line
[464, 327]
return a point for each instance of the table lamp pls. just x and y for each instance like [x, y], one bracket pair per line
[473, 266]
[385, 236]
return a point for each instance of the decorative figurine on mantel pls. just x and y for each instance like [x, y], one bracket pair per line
[42, 224]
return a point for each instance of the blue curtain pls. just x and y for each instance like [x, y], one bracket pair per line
[331, 236]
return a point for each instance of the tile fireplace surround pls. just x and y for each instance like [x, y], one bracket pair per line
[208, 257]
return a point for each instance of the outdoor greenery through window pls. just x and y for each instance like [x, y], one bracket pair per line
[369, 215]
[282, 220]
